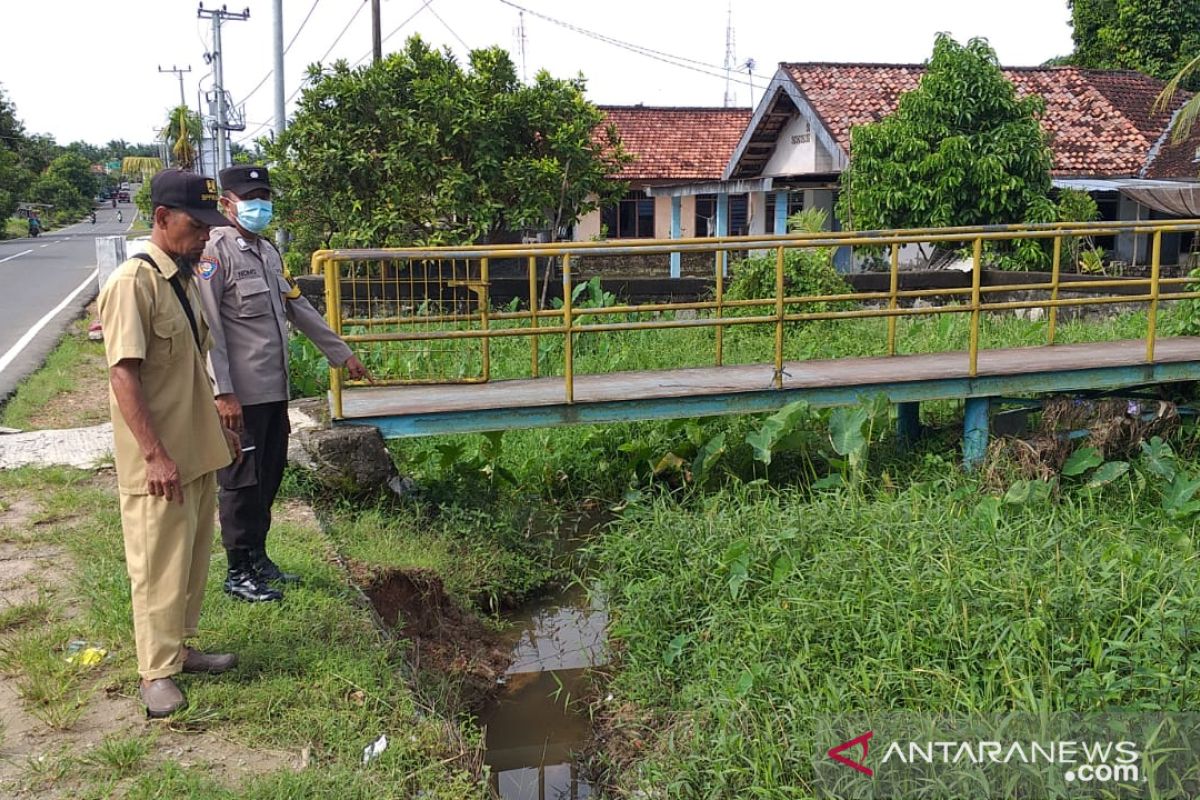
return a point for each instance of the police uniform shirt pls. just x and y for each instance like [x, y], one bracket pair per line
[143, 319]
[246, 299]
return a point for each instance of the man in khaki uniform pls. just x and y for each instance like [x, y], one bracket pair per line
[249, 301]
[168, 438]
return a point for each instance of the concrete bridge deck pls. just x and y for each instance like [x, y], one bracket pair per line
[422, 410]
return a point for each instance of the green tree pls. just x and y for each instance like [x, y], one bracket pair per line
[1156, 37]
[13, 177]
[55, 190]
[419, 149]
[75, 170]
[960, 149]
[89, 151]
[37, 151]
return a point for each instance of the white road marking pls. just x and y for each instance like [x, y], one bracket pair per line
[18, 255]
[44, 245]
[24, 341]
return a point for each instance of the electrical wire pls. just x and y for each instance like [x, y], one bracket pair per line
[343, 33]
[394, 31]
[295, 36]
[292, 96]
[682, 62]
[447, 26]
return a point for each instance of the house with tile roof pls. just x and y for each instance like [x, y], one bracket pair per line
[1102, 130]
[670, 146]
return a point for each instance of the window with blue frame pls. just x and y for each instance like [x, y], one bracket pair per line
[795, 203]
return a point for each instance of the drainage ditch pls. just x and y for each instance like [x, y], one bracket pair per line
[527, 685]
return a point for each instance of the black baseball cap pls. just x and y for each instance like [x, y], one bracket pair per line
[191, 193]
[245, 178]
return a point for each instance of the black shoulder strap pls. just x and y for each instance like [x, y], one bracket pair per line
[179, 293]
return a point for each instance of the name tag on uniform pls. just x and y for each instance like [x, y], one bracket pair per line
[242, 274]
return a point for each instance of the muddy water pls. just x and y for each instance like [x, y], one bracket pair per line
[538, 723]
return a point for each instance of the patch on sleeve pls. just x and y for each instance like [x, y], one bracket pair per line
[208, 267]
[293, 292]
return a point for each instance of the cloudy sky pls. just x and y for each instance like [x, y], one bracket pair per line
[80, 69]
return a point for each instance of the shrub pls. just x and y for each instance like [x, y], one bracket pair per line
[806, 272]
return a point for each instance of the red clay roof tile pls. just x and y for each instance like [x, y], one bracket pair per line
[1100, 122]
[675, 143]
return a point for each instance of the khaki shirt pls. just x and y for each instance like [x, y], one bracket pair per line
[143, 319]
[245, 297]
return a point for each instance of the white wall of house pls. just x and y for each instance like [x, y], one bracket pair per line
[797, 151]
[687, 213]
[1130, 248]
[587, 227]
[662, 218]
[757, 211]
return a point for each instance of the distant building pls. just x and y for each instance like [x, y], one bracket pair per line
[1103, 134]
[671, 146]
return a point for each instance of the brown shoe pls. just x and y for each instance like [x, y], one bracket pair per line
[212, 663]
[162, 697]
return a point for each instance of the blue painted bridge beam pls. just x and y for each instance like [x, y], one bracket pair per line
[978, 392]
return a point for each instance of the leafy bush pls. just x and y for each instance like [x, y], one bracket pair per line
[308, 367]
[805, 272]
[1076, 206]
[1183, 318]
[142, 201]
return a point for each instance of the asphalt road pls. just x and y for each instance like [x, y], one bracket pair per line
[44, 285]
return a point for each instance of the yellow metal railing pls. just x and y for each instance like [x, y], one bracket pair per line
[410, 312]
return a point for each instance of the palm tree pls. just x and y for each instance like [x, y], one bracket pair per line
[140, 167]
[182, 134]
[1185, 117]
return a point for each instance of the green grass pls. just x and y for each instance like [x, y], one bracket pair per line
[15, 228]
[916, 591]
[60, 374]
[314, 673]
[743, 615]
[485, 558]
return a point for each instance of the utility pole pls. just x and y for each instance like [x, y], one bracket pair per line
[280, 113]
[729, 59]
[180, 73]
[219, 15]
[376, 41]
[521, 45]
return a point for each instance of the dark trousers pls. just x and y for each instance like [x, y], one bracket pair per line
[248, 489]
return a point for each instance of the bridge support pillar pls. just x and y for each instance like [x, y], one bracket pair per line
[976, 431]
[908, 423]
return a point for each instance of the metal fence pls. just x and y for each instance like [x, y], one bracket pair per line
[423, 315]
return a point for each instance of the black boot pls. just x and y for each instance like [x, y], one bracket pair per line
[243, 582]
[268, 570]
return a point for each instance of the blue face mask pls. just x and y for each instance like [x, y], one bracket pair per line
[254, 215]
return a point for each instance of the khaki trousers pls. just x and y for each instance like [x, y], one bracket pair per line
[166, 554]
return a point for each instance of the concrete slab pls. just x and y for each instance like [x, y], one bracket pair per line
[82, 448]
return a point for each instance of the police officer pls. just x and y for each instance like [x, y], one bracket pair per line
[248, 300]
[167, 436]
